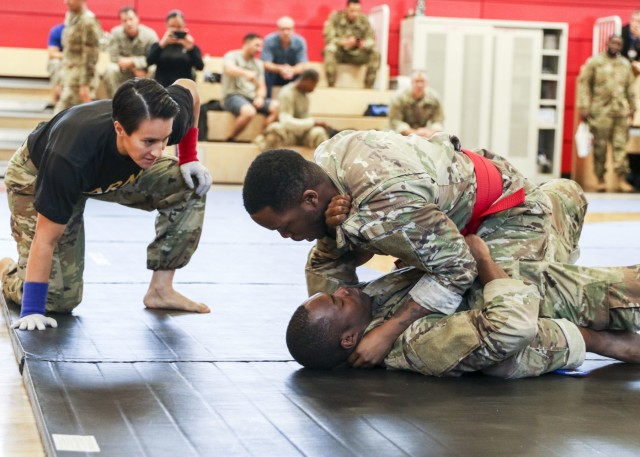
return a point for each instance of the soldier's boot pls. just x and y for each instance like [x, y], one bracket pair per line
[602, 186]
[622, 184]
[331, 78]
[260, 142]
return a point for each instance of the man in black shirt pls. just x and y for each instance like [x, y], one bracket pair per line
[111, 151]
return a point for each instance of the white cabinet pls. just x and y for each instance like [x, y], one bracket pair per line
[501, 88]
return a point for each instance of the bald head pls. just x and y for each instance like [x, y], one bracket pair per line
[285, 28]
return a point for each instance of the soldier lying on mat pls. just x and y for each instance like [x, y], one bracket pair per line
[413, 199]
[544, 320]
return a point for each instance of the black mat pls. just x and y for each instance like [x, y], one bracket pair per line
[135, 382]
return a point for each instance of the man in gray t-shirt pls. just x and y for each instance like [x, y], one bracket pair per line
[243, 85]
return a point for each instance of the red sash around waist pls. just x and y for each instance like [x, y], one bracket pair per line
[489, 183]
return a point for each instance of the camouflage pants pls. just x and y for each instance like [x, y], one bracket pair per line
[54, 70]
[334, 54]
[546, 227]
[70, 93]
[161, 188]
[595, 298]
[113, 77]
[615, 130]
[277, 136]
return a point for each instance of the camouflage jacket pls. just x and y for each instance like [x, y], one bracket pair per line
[81, 47]
[411, 198]
[120, 45]
[408, 113]
[338, 26]
[605, 86]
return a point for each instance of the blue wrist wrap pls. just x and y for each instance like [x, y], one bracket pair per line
[34, 298]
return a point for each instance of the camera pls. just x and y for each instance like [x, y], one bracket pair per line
[179, 34]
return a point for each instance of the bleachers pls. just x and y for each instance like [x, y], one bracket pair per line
[25, 93]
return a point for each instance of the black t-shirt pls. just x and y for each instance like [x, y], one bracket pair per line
[76, 153]
[174, 62]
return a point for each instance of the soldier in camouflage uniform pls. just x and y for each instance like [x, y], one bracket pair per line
[416, 110]
[110, 151]
[411, 197]
[349, 38]
[295, 126]
[542, 320]
[80, 52]
[606, 102]
[128, 47]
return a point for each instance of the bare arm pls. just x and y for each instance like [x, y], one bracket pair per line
[193, 88]
[41, 254]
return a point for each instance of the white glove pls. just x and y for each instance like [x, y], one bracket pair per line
[200, 172]
[34, 321]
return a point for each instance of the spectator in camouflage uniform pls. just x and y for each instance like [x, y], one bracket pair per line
[110, 151]
[606, 102]
[349, 38]
[416, 110]
[542, 320]
[295, 126]
[411, 198]
[80, 52]
[128, 47]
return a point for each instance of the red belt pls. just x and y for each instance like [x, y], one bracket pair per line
[489, 183]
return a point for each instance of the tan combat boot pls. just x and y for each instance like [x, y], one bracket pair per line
[623, 186]
[602, 186]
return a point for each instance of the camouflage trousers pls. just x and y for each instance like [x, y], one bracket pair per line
[55, 72]
[518, 330]
[332, 55]
[114, 76]
[546, 227]
[161, 187]
[572, 296]
[276, 135]
[608, 129]
[70, 93]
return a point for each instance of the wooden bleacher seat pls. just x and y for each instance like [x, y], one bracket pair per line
[229, 162]
[219, 125]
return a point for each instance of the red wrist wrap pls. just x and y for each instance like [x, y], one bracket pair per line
[187, 147]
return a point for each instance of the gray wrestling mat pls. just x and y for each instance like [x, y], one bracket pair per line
[115, 379]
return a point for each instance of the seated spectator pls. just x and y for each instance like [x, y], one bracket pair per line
[54, 63]
[284, 55]
[176, 54]
[128, 47]
[295, 126]
[417, 109]
[243, 85]
[349, 38]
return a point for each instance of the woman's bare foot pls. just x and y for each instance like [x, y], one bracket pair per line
[162, 295]
[155, 299]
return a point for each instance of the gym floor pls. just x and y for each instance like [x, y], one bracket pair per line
[137, 382]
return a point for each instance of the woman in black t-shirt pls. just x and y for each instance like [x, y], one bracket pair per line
[111, 151]
[176, 54]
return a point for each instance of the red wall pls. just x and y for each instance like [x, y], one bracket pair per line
[219, 25]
